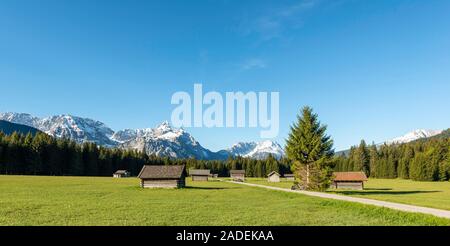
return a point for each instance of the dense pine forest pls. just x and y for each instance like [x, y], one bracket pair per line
[421, 160]
[41, 154]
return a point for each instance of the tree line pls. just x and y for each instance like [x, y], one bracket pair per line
[41, 154]
[423, 160]
[309, 156]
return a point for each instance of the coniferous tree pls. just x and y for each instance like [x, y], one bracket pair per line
[311, 151]
[373, 153]
[404, 162]
[362, 159]
[421, 169]
[271, 165]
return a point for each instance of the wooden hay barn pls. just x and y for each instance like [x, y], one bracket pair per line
[273, 177]
[163, 176]
[121, 174]
[289, 177]
[349, 180]
[200, 174]
[237, 175]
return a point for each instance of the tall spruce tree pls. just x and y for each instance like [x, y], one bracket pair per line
[362, 159]
[373, 152]
[311, 151]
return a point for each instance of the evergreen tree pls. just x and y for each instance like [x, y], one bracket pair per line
[271, 165]
[362, 160]
[373, 153]
[405, 161]
[311, 151]
[421, 169]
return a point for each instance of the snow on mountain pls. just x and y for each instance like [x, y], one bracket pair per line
[19, 118]
[163, 140]
[242, 149]
[414, 135]
[260, 150]
[66, 126]
[130, 134]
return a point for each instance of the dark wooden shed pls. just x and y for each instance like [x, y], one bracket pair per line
[200, 174]
[237, 175]
[289, 177]
[163, 176]
[349, 180]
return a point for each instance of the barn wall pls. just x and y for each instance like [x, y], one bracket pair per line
[171, 183]
[240, 177]
[349, 185]
[199, 178]
[274, 179]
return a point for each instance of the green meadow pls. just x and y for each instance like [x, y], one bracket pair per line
[33, 200]
[426, 194]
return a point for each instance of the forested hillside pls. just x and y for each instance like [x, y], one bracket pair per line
[422, 160]
[8, 128]
[42, 154]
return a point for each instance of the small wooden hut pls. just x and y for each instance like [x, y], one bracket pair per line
[349, 180]
[163, 176]
[237, 175]
[273, 177]
[289, 177]
[200, 174]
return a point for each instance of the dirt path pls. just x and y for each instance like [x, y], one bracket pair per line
[397, 206]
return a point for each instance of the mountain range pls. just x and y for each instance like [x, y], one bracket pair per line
[420, 134]
[163, 140]
[414, 135]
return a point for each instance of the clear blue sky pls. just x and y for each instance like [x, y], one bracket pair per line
[370, 69]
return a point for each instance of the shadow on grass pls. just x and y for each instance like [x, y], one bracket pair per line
[383, 192]
[377, 189]
[211, 188]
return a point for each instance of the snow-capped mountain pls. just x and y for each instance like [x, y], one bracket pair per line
[414, 135]
[130, 134]
[163, 140]
[260, 150]
[66, 126]
[242, 149]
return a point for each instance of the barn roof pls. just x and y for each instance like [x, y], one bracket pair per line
[350, 176]
[273, 173]
[237, 172]
[162, 172]
[200, 172]
[288, 175]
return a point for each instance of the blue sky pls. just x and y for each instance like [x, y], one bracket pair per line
[371, 69]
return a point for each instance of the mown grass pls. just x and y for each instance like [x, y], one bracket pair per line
[28, 200]
[427, 194]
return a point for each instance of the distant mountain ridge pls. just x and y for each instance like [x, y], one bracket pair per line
[66, 126]
[260, 150]
[416, 135]
[163, 140]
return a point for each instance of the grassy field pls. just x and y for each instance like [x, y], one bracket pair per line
[427, 194]
[27, 200]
